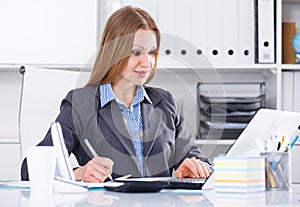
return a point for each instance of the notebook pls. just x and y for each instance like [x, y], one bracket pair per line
[66, 172]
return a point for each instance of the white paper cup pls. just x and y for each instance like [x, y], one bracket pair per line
[41, 167]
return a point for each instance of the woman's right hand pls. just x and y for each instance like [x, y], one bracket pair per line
[96, 170]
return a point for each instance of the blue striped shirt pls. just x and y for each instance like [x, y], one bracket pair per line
[132, 117]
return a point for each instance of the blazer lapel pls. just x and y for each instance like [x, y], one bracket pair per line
[152, 120]
[113, 118]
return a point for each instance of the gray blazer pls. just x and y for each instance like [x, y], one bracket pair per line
[167, 140]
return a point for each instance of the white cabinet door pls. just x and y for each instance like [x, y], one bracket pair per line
[291, 90]
[296, 96]
[10, 161]
[288, 90]
[295, 164]
[47, 32]
[10, 92]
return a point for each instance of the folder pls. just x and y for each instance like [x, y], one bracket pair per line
[182, 49]
[214, 31]
[166, 25]
[182, 21]
[246, 32]
[288, 33]
[199, 34]
[265, 31]
[166, 21]
[230, 23]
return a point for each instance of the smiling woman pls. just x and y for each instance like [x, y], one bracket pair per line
[140, 129]
[139, 66]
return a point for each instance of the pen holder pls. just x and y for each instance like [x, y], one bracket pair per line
[278, 170]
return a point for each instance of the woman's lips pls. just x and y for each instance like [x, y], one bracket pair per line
[142, 72]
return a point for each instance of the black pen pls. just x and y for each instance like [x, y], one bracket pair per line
[279, 145]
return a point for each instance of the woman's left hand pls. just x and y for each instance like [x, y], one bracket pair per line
[192, 168]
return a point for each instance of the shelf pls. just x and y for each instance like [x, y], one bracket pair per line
[291, 67]
[11, 140]
[15, 67]
[9, 68]
[255, 67]
[291, 1]
[251, 67]
[215, 141]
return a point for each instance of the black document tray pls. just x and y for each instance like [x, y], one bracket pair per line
[214, 113]
[239, 103]
[222, 125]
[217, 130]
[225, 109]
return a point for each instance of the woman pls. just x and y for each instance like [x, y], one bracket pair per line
[134, 129]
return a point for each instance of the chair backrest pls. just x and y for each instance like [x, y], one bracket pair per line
[42, 93]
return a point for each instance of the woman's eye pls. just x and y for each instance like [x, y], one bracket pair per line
[152, 52]
[136, 52]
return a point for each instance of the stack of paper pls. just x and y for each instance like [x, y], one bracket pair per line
[239, 174]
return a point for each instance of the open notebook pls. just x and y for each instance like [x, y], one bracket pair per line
[66, 172]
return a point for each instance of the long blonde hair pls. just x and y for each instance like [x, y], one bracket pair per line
[116, 44]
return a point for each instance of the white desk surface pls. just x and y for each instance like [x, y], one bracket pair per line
[167, 198]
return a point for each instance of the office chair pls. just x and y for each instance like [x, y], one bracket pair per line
[42, 92]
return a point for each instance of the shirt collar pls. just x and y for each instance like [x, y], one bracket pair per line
[107, 94]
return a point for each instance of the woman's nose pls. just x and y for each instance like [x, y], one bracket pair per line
[146, 60]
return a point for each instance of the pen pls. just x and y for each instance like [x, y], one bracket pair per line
[294, 141]
[94, 153]
[123, 177]
[282, 144]
[279, 145]
[295, 137]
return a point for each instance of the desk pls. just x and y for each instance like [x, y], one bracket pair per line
[166, 198]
